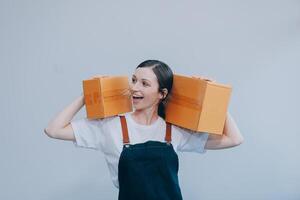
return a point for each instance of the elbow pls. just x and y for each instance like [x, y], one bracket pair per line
[238, 141]
[49, 133]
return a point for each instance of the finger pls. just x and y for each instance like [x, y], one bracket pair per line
[99, 76]
[209, 79]
[202, 77]
[196, 77]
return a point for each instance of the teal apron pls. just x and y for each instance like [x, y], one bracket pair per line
[148, 171]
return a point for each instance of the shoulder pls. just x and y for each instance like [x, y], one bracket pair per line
[113, 122]
[185, 134]
[181, 130]
[100, 123]
[189, 140]
[107, 120]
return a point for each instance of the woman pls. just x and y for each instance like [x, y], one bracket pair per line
[140, 148]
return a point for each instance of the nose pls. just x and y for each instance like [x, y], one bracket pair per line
[135, 87]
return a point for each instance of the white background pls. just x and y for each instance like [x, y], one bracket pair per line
[48, 47]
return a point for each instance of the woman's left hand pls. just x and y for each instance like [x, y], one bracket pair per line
[204, 78]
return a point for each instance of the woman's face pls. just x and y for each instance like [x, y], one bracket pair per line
[144, 87]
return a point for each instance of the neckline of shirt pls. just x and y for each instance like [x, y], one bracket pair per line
[141, 125]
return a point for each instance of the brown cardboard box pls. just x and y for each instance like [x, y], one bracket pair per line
[106, 96]
[197, 104]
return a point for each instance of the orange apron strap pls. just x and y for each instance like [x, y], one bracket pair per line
[124, 130]
[168, 132]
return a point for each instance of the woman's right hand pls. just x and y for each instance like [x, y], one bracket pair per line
[98, 76]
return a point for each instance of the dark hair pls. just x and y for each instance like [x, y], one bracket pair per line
[164, 76]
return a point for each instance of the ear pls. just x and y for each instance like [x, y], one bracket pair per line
[163, 93]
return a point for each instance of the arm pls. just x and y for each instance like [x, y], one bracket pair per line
[59, 127]
[231, 136]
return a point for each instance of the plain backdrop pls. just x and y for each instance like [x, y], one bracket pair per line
[48, 47]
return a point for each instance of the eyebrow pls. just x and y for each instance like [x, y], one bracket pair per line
[142, 78]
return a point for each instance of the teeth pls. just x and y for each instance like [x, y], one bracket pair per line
[137, 97]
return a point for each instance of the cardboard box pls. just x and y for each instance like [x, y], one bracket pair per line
[106, 96]
[197, 104]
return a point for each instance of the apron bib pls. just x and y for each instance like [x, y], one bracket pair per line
[148, 171]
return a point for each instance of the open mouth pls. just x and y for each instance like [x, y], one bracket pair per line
[137, 97]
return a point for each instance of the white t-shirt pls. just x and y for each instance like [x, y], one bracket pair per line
[106, 135]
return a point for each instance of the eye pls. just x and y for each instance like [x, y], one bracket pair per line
[133, 80]
[145, 84]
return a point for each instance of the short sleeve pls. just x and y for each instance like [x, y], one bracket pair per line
[88, 133]
[191, 141]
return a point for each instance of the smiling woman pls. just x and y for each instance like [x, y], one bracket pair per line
[152, 80]
[140, 147]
